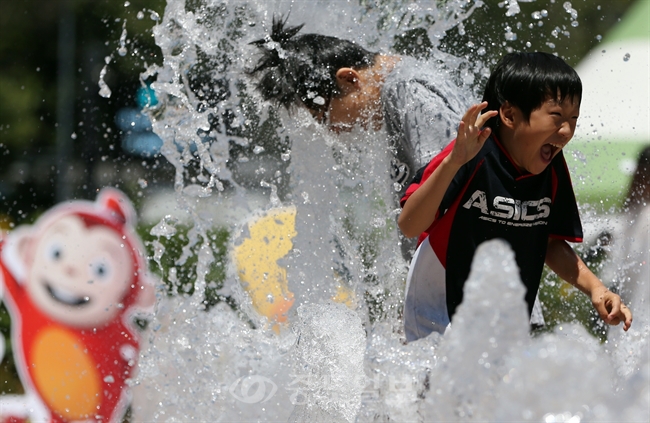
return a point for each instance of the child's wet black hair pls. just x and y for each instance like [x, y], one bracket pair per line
[526, 80]
[301, 69]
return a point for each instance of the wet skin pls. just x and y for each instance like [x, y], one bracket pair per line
[533, 144]
[359, 101]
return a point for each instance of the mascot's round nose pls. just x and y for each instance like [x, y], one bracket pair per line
[70, 271]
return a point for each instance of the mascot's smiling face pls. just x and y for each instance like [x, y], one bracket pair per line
[78, 274]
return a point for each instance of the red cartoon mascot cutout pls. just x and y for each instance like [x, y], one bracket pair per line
[72, 283]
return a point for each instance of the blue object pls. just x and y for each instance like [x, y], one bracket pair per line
[146, 97]
[129, 119]
[145, 144]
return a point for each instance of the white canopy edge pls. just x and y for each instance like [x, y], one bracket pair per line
[616, 92]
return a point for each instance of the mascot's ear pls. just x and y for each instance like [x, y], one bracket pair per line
[118, 205]
[146, 294]
[24, 240]
[19, 251]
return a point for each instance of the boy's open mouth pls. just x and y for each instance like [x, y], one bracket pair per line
[549, 150]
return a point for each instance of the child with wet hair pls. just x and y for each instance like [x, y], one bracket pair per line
[302, 70]
[344, 85]
[504, 176]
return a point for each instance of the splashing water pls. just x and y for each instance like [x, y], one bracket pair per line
[341, 360]
[104, 90]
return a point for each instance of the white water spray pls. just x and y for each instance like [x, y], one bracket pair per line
[331, 362]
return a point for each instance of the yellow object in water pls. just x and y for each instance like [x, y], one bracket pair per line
[257, 258]
[345, 295]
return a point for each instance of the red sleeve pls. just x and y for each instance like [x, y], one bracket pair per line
[424, 173]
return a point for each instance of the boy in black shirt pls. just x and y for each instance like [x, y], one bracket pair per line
[508, 180]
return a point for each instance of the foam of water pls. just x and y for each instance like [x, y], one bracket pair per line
[331, 362]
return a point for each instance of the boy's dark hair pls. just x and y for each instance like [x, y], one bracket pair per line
[526, 80]
[302, 69]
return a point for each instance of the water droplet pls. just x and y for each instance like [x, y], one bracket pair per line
[378, 222]
[567, 6]
[122, 49]
[626, 57]
[104, 91]
[513, 8]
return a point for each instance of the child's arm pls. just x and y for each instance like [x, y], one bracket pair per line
[421, 208]
[561, 258]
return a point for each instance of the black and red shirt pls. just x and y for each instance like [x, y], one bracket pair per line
[491, 198]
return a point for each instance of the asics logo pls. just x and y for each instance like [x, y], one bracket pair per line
[509, 208]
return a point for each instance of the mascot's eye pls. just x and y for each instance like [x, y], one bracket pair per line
[55, 252]
[100, 269]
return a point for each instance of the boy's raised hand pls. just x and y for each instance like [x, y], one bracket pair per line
[422, 206]
[471, 137]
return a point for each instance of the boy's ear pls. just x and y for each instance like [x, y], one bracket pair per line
[347, 78]
[507, 114]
